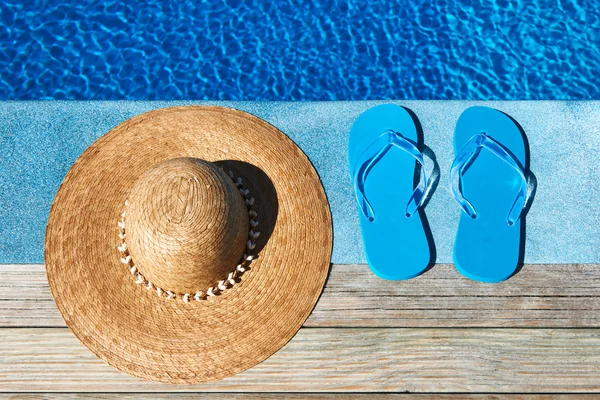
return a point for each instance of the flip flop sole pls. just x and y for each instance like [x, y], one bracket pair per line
[396, 246]
[487, 249]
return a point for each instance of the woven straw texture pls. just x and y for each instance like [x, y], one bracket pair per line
[187, 224]
[170, 341]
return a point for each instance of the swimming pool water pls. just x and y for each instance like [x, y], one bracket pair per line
[299, 50]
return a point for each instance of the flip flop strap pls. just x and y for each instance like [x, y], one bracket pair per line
[467, 155]
[372, 155]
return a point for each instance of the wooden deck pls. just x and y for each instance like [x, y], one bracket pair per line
[439, 333]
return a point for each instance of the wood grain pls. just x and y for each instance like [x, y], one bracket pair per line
[338, 360]
[538, 296]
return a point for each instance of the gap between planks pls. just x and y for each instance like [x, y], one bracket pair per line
[294, 396]
[538, 296]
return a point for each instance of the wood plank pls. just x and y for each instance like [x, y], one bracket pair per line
[427, 360]
[538, 296]
[25, 298]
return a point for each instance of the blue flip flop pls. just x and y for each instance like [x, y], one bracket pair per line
[383, 154]
[488, 181]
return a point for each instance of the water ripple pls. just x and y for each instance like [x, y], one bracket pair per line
[299, 50]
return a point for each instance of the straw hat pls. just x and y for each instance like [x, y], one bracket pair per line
[188, 244]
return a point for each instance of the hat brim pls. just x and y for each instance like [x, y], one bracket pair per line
[170, 341]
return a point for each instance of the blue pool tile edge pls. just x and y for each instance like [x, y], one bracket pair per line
[41, 139]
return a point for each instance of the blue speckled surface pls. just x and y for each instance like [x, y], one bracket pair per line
[299, 50]
[40, 141]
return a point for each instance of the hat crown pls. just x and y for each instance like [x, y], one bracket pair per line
[187, 225]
